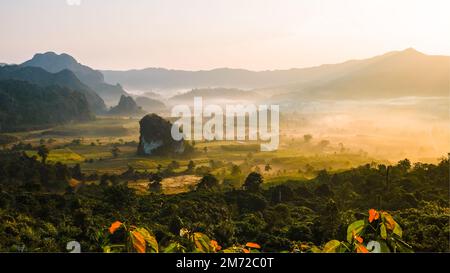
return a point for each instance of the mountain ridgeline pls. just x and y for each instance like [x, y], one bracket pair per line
[394, 74]
[406, 73]
[55, 63]
[64, 78]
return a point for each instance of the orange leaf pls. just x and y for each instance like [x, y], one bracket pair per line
[359, 239]
[114, 226]
[253, 245]
[373, 215]
[138, 241]
[390, 222]
[245, 250]
[215, 245]
[361, 249]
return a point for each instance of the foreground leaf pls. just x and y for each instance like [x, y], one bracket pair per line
[253, 245]
[114, 226]
[383, 231]
[138, 241]
[202, 242]
[355, 229]
[373, 215]
[331, 246]
[389, 221]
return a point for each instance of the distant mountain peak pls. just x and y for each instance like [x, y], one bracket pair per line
[411, 52]
[50, 56]
[54, 63]
[126, 106]
[410, 49]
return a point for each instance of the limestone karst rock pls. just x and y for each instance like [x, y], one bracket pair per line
[155, 137]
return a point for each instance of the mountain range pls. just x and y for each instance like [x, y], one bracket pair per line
[43, 78]
[55, 63]
[394, 74]
[82, 90]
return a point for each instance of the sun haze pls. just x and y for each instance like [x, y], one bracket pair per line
[204, 34]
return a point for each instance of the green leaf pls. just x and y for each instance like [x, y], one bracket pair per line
[202, 242]
[356, 228]
[331, 246]
[174, 248]
[113, 248]
[398, 230]
[315, 249]
[383, 231]
[232, 249]
[106, 249]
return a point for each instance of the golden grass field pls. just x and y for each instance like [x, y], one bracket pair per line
[90, 144]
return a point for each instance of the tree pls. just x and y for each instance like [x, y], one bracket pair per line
[404, 165]
[155, 182]
[173, 165]
[253, 181]
[104, 180]
[119, 196]
[76, 172]
[267, 168]
[323, 144]
[235, 170]
[323, 176]
[7, 139]
[208, 182]
[190, 166]
[115, 151]
[43, 153]
[307, 138]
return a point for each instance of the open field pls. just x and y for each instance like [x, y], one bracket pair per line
[90, 145]
[297, 159]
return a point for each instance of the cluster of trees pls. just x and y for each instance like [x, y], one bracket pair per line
[42, 209]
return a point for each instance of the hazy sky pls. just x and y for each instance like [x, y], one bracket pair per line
[204, 34]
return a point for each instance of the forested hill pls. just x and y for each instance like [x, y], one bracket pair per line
[26, 106]
[55, 63]
[64, 78]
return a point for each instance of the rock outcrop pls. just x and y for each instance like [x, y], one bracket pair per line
[127, 106]
[155, 137]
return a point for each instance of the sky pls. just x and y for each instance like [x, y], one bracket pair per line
[207, 34]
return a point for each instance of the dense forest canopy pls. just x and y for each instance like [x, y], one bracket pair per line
[45, 205]
[24, 106]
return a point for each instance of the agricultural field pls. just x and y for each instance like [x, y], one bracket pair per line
[91, 144]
